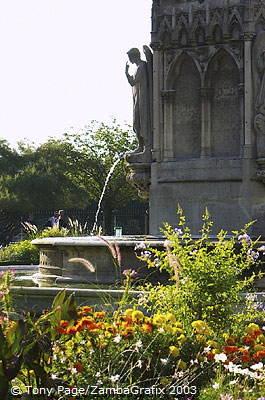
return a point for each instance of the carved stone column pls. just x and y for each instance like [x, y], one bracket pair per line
[168, 97]
[206, 96]
[248, 95]
[241, 92]
[157, 68]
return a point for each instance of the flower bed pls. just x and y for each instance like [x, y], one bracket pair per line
[195, 338]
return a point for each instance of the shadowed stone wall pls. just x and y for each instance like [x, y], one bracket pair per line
[208, 137]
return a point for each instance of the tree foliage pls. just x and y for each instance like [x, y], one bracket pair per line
[65, 173]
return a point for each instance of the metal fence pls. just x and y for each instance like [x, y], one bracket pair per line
[129, 220]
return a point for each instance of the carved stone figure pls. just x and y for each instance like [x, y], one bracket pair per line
[259, 124]
[260, 101]
[141, 83]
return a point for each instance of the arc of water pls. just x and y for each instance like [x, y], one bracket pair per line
[103, 192]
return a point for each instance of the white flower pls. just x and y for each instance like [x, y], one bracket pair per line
[257, 366]
[207, 349]
[216, 385]
[164, 361]
[262, 248]
[161, 330]
[233, 382]
[146, 254]
[244, 238]
[97, 374]
[220, 357]
[138, 344]
[168, 243]
[139, 364]
[117, 339]
[140, 245]
[73, 371]
[178, 231]
[53, 376]
[114, 378]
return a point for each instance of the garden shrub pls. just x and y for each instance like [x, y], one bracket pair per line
[24, 252]
[206, 274]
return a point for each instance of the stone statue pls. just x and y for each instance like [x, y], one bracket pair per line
[141, 83]
[260, 100]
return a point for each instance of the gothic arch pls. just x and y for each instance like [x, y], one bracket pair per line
[174, 67]
[218, 54]
[185, 79]
[223, 78]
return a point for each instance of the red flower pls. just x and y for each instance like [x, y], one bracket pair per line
[78, 366]
[230, 349]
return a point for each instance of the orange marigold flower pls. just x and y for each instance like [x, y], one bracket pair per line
[210, 356]
[61, 331]
[246, 357]
[261, 354]
[79, 327]
[147, 328]
[71, 330]
[127, 332]
[64, 323]
[87, 320]
[248, 340]
[231, 340]
[80, 314]
[91, 327]
[87, 309]
[230, 349]
[100, 314]
[112, 329]
[78, 366]
[257, 332]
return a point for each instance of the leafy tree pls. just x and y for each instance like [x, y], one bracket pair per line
[40, 180]
[99, 146]
[69, 172]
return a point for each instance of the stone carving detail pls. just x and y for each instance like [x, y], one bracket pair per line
[140, 177]
[197, 26]
[259, 99]
[141, 83]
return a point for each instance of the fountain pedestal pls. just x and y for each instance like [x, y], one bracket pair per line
[55, 253]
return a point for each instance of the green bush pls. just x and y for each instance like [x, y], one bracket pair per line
[208, 274]
[24, 252]
[20, 253]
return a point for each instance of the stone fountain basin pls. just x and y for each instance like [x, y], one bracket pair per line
[56, 269]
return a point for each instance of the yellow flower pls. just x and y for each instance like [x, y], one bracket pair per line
[201, 327]
[177, 331]
[181, 339]
[88, 344]
[174, 351]
[213, 344]
[159, 319]
[165, 381]
[128, 312]
[178, 324]
[200, 338]
[100, 314]
[170, 318]
[215, 351]
[261, 339]
[259, 347]
[181, 365]
[137, 315]
[251, 328]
